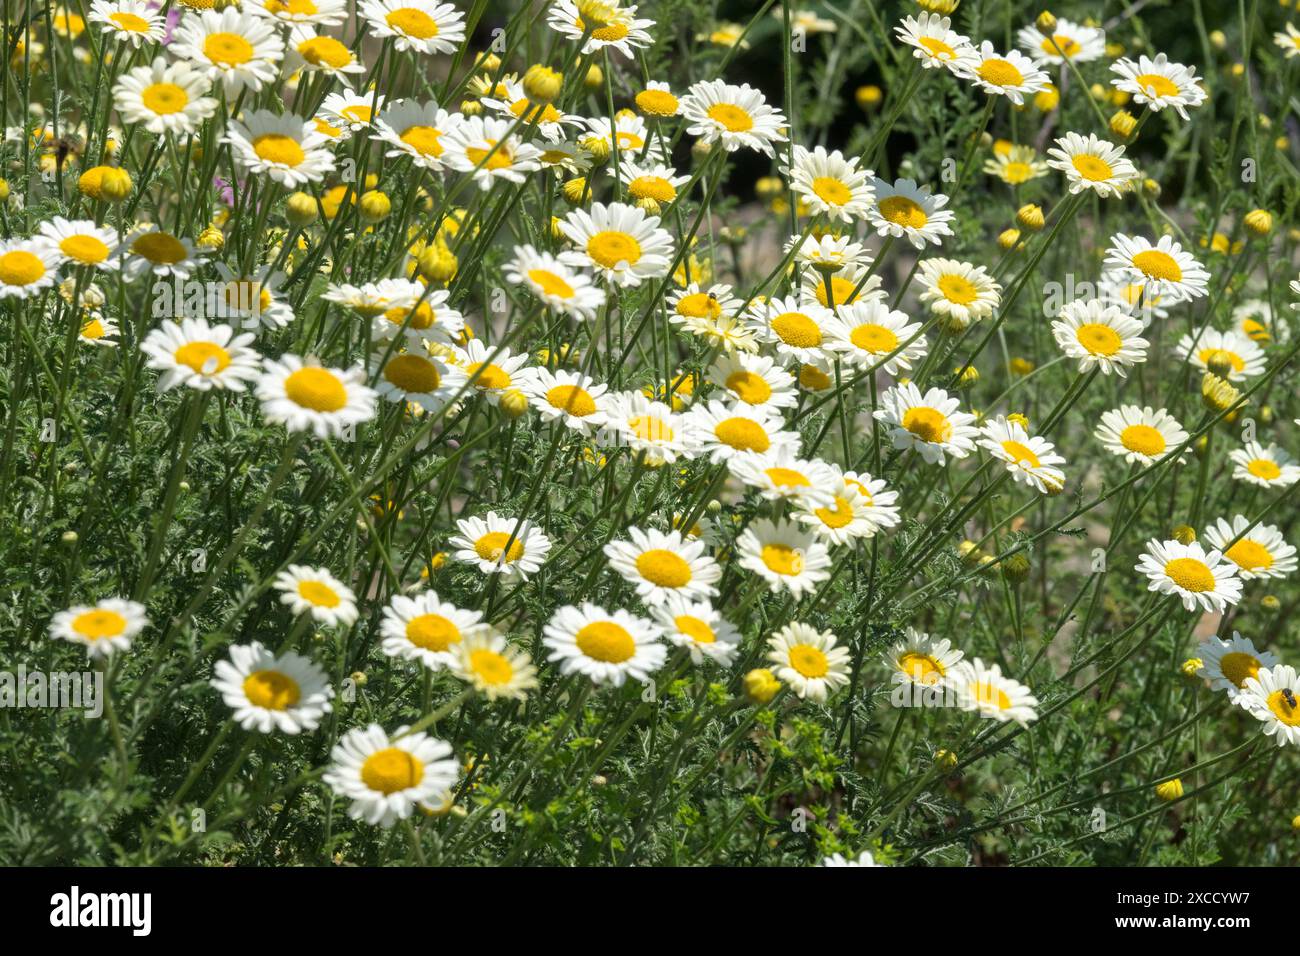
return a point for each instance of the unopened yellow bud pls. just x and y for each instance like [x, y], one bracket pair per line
[4, 189]
[301, 209]
[1192, 666]
[542, 84]
[1259, 221]
[1030, 216]
[437, 263]
[115, 185]
[761, 685]
[575, 189]
[513, 403]
[1218, 39]
[1046, 23]
[1217, 394]
[945, 759]
[1008, 238]
[1122, 124]
[1184, 534]
[1021, 366]
[595, 77]
[374, 206]
[868, 97]
[1170, 790]
[211, 238]
[768, 187]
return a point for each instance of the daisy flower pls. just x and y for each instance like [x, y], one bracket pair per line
[725, 431]
[959, 292]
[1092, 163]
[652, 181]
[386, 778]
[1195, 576]
[782, 476]
[421, 26]
[798, 329]
[1227, 664]
[427, 629]
[604, 25]
[809, 661]
[492, 370]
[201, 356]
[1158, 83]
[572, 398]
[1133, 297]
[626, 134]
[935, 44]
[1163, 266]
[559, 287]
[920, 659]
[419, 378]
[281, 146]
[606, 646]
[648, 426]
[698, 626]
[1289, 41]
[484, 148]
[1232, 355]
[866, 332]
[827, 252]
[620, 242]
[784, 555]
[830, 183]
[1271, 698]
[103, 628]
[726, 333]
[1017, 166]
[907, 211]
[500, 545]
[240, 50]
[130, 21]
[1069, 41]
[930, 423]
[864, 859]
[1100, 336]
[1254, 319]
[304, 396]
[514, 103]
[319, 12]
[754, 380]
[255, 298]
[351, 112]
[429, 318]
[372, 299]
[861, 508]
[164, 97]
[847, 286]
[661, 564]
[657, 100]
[1140, 435]
[733, 116]
[982, 688]
[314, 591]
[269, 691]
[318, 53]
[1030, 460]
[1260, 550]
[27, 266]
[1269, 467]
[1012, 75]
[150, 250]
[493, 667]
[99, 330]
[81, 242]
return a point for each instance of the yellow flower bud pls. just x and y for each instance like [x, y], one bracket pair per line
[437, 263]
[488, 62]
[945, 759]
[1269, 602]
[211, 238]
[1218, 39]
[1259, 221]
[814, 379]
[1192, 666]
[1217, 394]
[301, 209]
[1019, 419]
[542, 84]
[1170, 790]
[1030, 216]
[944, 7]
[1021, 366]
[595, 77]
[374, 206]
[114, 184]
[358, 678]
[1009, 238]
[4, 190]
[1151, 187]
[761, 685]
[1046, 23]
[1122, 124]
[1047, 99]
[513, 403]
[1016, 568]
[575, 189]
[868, 97]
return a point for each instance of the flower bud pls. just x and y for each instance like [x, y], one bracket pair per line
[595, 77]
[1016, 568]
[374, 206]
[115, 185]
[761, 685]
[542, 84]
[1183, 534]
[513, 403]
[1009, 238]
[1192, 666]
[945, 759]
[868, 97]
[1046, 23]
[1030, 216]
[1170, 790]
[1123, 124]
[1217, 394]
[575, 189]
[301, 209]
[1259, 221]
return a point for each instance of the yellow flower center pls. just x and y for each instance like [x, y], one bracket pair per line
[1020, 454]
[998, 72]
[391, 770]
[657, 102]
[204, 358]
[650, 428]
[742, 434]
[652, 187]
[731, 117]
[611, 247]
[1143, 439]
[796, 329]
[903, 212]
[662, 567]
[227, 49]
[957, 289]
[811, 377]
[358, 113]
[1158, 85]
[325, 51]
[21, 268]
[1283, 709]
[432, 632]
[606, 641]
[414, 23]
[94, 329]
[491, 377]
[271, 690]
[490, 156]
[1093, 168]
[927, 424]
[423, 139]
[838, 515]
[571, 399]
[84, 249]
[787, 478]
[987, 694]
[551, 284]
[98, 623]
[1238, 665]
[749, 387]
[695, 629]
[491, 667]
[526, 107]
[874, 338]
[921, 668]
[492, 545]
[699, 305]
[316, 388]
[1016, 172]
[1099, 339]
[1250, 555]
[1158, 265]
[130, 22]
[278, 148]
[318, 593]
[1222, 358]
[160, 248]
[412, 373]
[809, 661]
[937, 48]
[782, 559]
[1066, 46]
[1264, 468]
[1190, 574]
[831, 191]
[611, 33]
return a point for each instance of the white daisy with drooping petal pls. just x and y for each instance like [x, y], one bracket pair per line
[492, 370]
[783, 476]
[606, 26]
[254, 299]
[304, 396]
[1100, 336]
[1254, 319]
[500, 545]
[350, 112]
[1012, 74]
[371, 299]
[164, 97]
[695, 303]
[315, 52]
[558, 285]
[1269, 467]
[725, 431]
[427, 629]
[827, 253]
[201, 356]
[905, 210]
[1198, 578]
[130, 21]
[420, 378]
[936, 44]
[99, 330]
[1031, 460]
[429, 318]
[314, 591]
[862, 507]
[982, 688]
[733, 116]
[1165, 268]
[103, 628]
[830, 183]
[1258, 550]
[27, 266]
[417, 130]
[1092, 163]
[754, 380]
[809, 660]
[1158, 83]
[82, 243]
[784, 554]
[282, 146]
[493, 667]
[649, 427]
[571, 398]
[660, 564]
[386, 778]
[626, 136]
[1232, 355]
[1140, 435]
[649, 181]
[487, 150]
[699, 627]
[960, 292]
[606, 646]
[921, 659]
[1271, 697]
[236, 48]
[865, 333]
[1070, 41]
[798, 329]
[930, 423]
[620, 242]
[1227, 664]
[421, 26]
[269, 691]
[1289, 41]
[151, 250]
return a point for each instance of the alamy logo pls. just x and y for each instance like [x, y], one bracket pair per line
[75, 909]
[77, 690]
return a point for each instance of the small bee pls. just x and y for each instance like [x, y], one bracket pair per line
[1290, 697]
